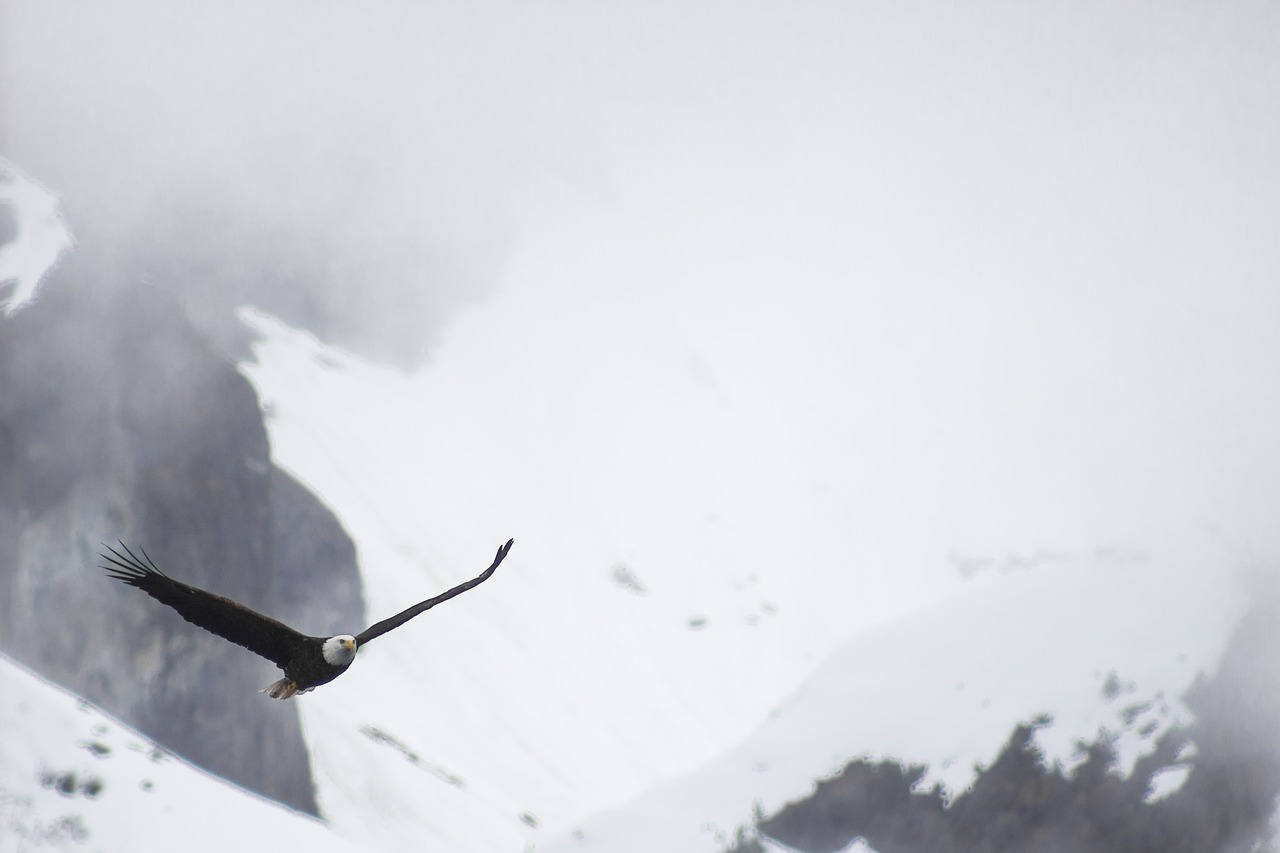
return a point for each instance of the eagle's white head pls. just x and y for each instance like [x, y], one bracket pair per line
[339, 650]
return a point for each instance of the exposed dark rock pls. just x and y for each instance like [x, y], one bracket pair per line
[1019, 803]
[872, 800]
[118, 420]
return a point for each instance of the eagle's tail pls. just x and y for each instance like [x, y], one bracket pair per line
[282, 689]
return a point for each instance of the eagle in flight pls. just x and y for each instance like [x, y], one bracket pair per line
[307, 662]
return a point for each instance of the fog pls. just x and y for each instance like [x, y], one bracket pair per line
[1002, 277]
[357, 165]
[1054, 222]
[1084, 179]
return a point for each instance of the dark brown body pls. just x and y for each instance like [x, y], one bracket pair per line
[301, 657]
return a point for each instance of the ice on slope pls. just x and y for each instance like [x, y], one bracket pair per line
[74, 778]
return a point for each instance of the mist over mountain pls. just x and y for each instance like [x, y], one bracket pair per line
[779, 337]
[1226, 763]
[320, 163]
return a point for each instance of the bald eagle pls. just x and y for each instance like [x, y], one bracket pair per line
[307, 662]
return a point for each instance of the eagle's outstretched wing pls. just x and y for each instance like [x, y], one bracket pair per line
[229, 619]
[399, 619]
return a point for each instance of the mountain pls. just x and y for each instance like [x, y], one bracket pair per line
[1082, 706]
[634, 635]
[119, 421]
[1100, 662]
[779, 337]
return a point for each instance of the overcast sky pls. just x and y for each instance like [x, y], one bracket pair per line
[1013, 249]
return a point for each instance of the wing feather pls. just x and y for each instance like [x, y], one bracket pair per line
[229, 619]
[380, 628]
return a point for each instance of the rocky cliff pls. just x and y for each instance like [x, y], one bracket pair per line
[118, 419]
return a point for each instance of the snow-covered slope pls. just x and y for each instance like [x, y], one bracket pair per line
[73, 778]
[724, 450]
[669, 586]
[687, 548]
[1099, 643]
[627, 637]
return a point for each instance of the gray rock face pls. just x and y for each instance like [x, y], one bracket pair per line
[118, 420]
[1226, 805]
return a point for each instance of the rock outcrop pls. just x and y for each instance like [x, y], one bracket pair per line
[119, 420]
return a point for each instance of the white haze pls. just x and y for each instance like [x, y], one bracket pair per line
[1052, 221]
